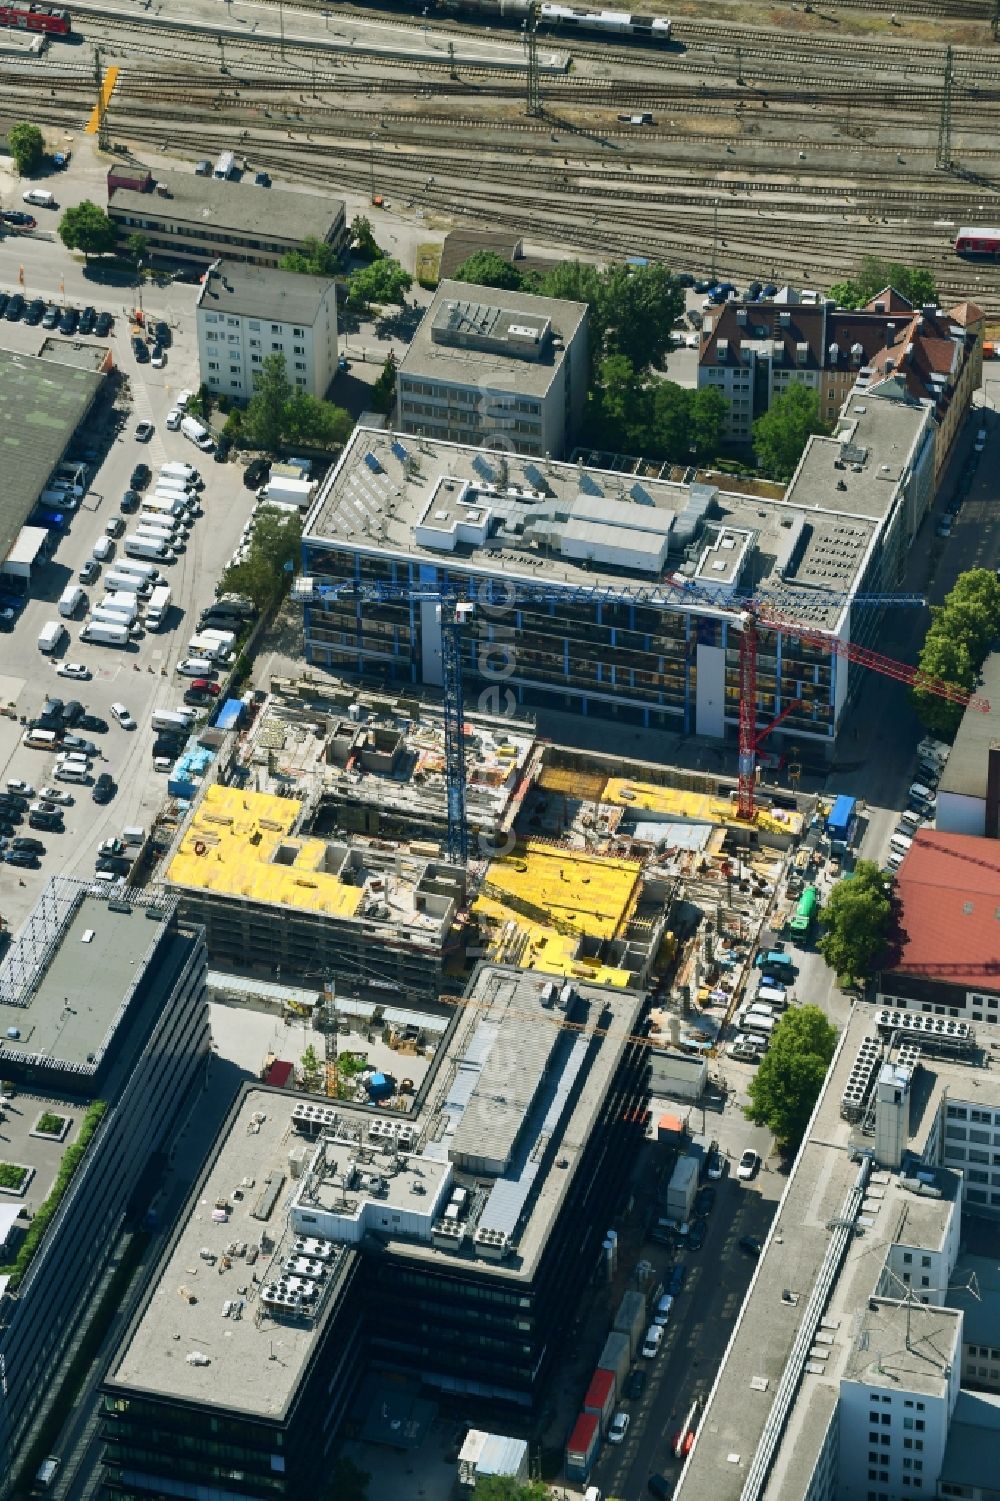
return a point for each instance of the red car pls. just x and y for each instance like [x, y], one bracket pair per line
[205, 685]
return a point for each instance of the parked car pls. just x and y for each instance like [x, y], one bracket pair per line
[23, 858]
[76, 670]
[104, 788]
[124, 718]
[141, 476]
[69, 320]
[749, 1163]
[678, 1272]
[619, 1428]
[87, 320]
[173, 420]
[50, 317]
[28, 845]
[158, 359]
[93, 724]
[205, 685]
[104, 324]
[144, 431]
[56, 795]
[72, 712]
[139, 350]
[704, 1200]
[114, 527]
[129, 503]
[80, 744]
[750, 1245]
[716, 1166]
[660, 1487]
[256, 473]
[163, 334]
[19, 787]
[696, 1235]
[635, 1385]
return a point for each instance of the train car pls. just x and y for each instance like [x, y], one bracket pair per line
[976, 241]
[615, 23]
[35, 18]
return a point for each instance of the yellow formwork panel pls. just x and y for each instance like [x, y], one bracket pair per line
[694, 807]
[591, 893]
[555, 954]
[585, 785]
[229, 848]
[107, 89]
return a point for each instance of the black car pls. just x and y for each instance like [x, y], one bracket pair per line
[678, 1272]
[93, 724]
[51, 821]
[69, 320]
[222, 450]
[14, 801]
[29, 846]
[753, 291]
[104, 788]
[696, 1235]
[635, 1385]
[769, 289]
[104, 324]
[34, 312]
[139, 349]
[73, 712]
[87, 320]
[704, 284]
[256, 473]
[141, 476]
[6, 827]
[52, 708]
[21, 857]
[14, 308]
[113, 864]
[685, 279]
[129, 502]
[162, 332]
[167, 745]
[4, 299]
[51, 317]
[79, 743]
[704, 1199]
[660, 1487]
[261, 180]
[750, 1245]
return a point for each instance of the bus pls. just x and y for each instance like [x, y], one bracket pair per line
[805, 913]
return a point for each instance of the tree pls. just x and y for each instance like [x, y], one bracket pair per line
[855, 922]
[315, 423]
[265, 573]
[707, 421]
[670, 431]
[137, 245]
[384, 390]
[958, 639]
[310, 1067]
[911, 282]
[381, 282]
[316, 258]
[786, 1086]
[781, 433]
[486, 268]
[641, 304]
[86, 227]
[26, 146]
[363, 238]
[506, 1488]
[264, 422]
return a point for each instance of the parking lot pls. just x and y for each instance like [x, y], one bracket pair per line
[142, 676]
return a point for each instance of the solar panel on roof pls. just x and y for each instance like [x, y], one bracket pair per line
[483, 469]
[373, 463]
[639, 494]
[399, 452]
[589, 485]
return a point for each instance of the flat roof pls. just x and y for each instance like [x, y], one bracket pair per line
[251, 1362]
[857, 471]
[272, 214]
[967, 767]
[75, 352]
[484, 318]
[861, 1329]
[471, 510]
[975, 1289]
[252, 292]
[970, 1456]
[42, 403]
[68, 975]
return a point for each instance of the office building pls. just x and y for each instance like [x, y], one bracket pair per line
[449, 1244]
[200, 219]
[640, 619]
[500, 369]
[944, 957]
[103, 1028]
[245, 315]
[845, 1371]
[968, 794]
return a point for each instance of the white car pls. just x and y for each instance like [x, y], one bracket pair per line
[56, 795]
[749, 1163]
[619, 1428]
[162, 763]
[174, 419]
[23, 789]
[123, 716]
[73, 670]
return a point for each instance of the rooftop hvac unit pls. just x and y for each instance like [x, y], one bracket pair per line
[314, 1246]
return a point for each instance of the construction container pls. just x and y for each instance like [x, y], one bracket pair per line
[582, 1446]
[616, 1356]
[682, 1187]
[601, 1394]
[670, 1131]
[631, 1319]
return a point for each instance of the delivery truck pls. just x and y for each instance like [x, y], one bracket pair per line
[105, 633]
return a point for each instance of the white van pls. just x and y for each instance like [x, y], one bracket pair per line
[769, 995]
[102, 549]
[71, 771]
[40, 197]
[174, 721]
[144, 571]
[652, 1342]
[70, 600]
[51, 636]
[186, 472]
[197, 432]
[901, 842]
[918, 793]
[757, 1021]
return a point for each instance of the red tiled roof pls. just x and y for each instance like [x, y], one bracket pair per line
[966, 313]
[891, 302]
[948, 896]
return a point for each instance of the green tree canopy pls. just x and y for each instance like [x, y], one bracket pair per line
[707, 422]
[263, 574]
[855, 922]
[956, 645]
[26, 147]
[316, 258]
[786, 1086]
[137, 245]
[363, 238]
[86, 227]
[780, 434]
[505, 1488]
[279, 413]
[641, 304]
[384, 281]
[912, 282]
[488, 269]
[384, 390]
[315, 423]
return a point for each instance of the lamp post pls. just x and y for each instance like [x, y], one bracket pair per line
[371, 167]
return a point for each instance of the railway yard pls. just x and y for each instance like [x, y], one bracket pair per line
[784, 142]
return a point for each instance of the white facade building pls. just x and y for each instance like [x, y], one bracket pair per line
[245, 314]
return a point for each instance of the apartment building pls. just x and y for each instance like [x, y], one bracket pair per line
[245, 314]
[104, 1027]
[944, 951]
[444, 1249]
[625, 602]
[753, 351]
[202, 219]
[968, 794]
[501, 369]
[846, 1375]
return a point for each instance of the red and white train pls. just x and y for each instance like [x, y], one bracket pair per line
[36, 18]
[977, 241]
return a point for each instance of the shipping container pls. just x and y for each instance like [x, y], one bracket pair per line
[841, 821]
[582, 1446]
[682, 1187]
[601, 1394]
[670, 1130]
[616, 1356]
[630, 1319]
